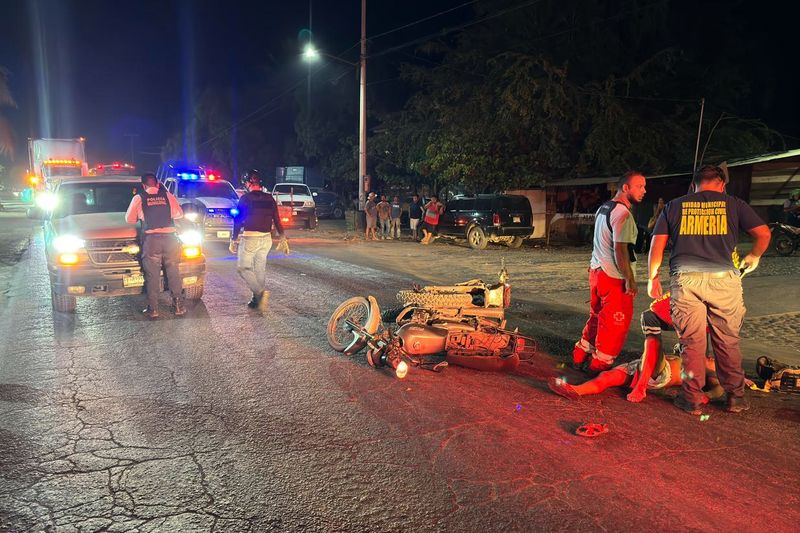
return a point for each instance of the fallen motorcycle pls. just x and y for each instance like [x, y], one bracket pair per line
[428, 337]
[471, 301]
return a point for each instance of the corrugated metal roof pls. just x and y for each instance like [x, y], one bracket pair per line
[597, 180]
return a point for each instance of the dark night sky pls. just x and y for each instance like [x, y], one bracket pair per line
[117, 67]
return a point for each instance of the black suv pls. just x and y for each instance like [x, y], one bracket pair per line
[328, 204]
[485, 218]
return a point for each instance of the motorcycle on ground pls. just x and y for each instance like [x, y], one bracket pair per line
[785, 238]
[461, 324]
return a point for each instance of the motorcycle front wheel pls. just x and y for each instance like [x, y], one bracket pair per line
[340, 336]
[784, 244]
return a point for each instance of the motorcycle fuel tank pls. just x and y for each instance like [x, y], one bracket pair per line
[420, 339]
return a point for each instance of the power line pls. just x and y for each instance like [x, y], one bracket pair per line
[447, 31]
[439, 14]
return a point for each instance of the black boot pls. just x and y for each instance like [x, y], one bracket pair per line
[253, 303]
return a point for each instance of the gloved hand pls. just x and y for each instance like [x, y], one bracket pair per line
[748, 264]
[283, 246]
[234, 247]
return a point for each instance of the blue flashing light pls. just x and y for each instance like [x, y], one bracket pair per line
[234, 211]
[211, 210]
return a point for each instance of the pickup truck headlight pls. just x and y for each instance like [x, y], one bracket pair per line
[308, 203]
[68, 244]
[191, 238]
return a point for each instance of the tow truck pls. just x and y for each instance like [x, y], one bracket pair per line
[92, 251]
[207, 200]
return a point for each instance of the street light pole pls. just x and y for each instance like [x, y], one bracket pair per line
[362, 128]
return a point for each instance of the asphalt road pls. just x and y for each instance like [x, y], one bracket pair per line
[226, 420]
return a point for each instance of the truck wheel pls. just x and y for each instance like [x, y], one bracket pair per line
[194, 292]
[63, 303]
[516, 242]
[431, 300]
[477, 238]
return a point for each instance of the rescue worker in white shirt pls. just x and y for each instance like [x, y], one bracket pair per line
[258, 212]
[158, 209]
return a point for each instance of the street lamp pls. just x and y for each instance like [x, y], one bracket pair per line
[310, 53]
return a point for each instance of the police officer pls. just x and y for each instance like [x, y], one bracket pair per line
[158, 209]
[258, 212]
[705, 286]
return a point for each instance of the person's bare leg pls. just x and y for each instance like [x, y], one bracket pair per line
[650, 357]
[610, 378]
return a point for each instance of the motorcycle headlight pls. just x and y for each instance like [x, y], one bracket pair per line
[67, 244]
[191, 238]
[192, 216]
[308, 203]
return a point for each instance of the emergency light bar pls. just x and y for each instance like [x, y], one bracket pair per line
[71, 162]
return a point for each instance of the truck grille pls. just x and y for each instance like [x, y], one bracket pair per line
[293, 204]
[110, 251]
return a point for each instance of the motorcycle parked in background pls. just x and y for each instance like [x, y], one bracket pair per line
[462, 324]
[785, 238]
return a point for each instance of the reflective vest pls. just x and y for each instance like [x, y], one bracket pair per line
[156, 210]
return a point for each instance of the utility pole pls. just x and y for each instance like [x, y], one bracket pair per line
[131, 135]
[362, 129]
[699, 129]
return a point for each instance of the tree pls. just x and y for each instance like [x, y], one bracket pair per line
[7, 136]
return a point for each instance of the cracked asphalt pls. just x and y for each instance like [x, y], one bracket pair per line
[226, 420]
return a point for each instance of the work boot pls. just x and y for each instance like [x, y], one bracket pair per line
[180, 309]
[150, 312]
[691, 408]
[263, 301]
[736, 405]
[253, 303]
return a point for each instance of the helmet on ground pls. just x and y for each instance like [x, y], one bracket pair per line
[251, 177]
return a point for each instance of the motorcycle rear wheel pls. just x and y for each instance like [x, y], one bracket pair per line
[784, 244]
[340, 337]
[432, 300]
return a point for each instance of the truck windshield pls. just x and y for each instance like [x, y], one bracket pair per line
[196, 189]
[291, 189]
[83, 198]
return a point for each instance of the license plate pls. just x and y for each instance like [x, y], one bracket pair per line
[223, 234]
[133, 280]
[517, 219]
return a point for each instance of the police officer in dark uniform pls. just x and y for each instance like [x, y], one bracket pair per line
[258, 213]
[158, 209]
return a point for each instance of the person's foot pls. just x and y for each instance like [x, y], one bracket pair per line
[253, 303]
[636, 395]
[694, 409]
[562, 388]
[150, 312]
[180, 309]
[579, 356]
[736, 405]
[263, 301]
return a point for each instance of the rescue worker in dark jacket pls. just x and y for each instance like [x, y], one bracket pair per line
[158, 209]
[258, 212]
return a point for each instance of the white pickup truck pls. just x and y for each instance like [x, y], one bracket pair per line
[296, 205]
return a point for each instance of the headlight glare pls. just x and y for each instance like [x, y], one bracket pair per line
[67, 243]
[191, 238]
[46, 201]
[192, 216]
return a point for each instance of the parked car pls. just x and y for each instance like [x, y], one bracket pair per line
[485, 218]
[329, 205]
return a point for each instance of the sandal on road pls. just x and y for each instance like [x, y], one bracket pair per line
[591, 430]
